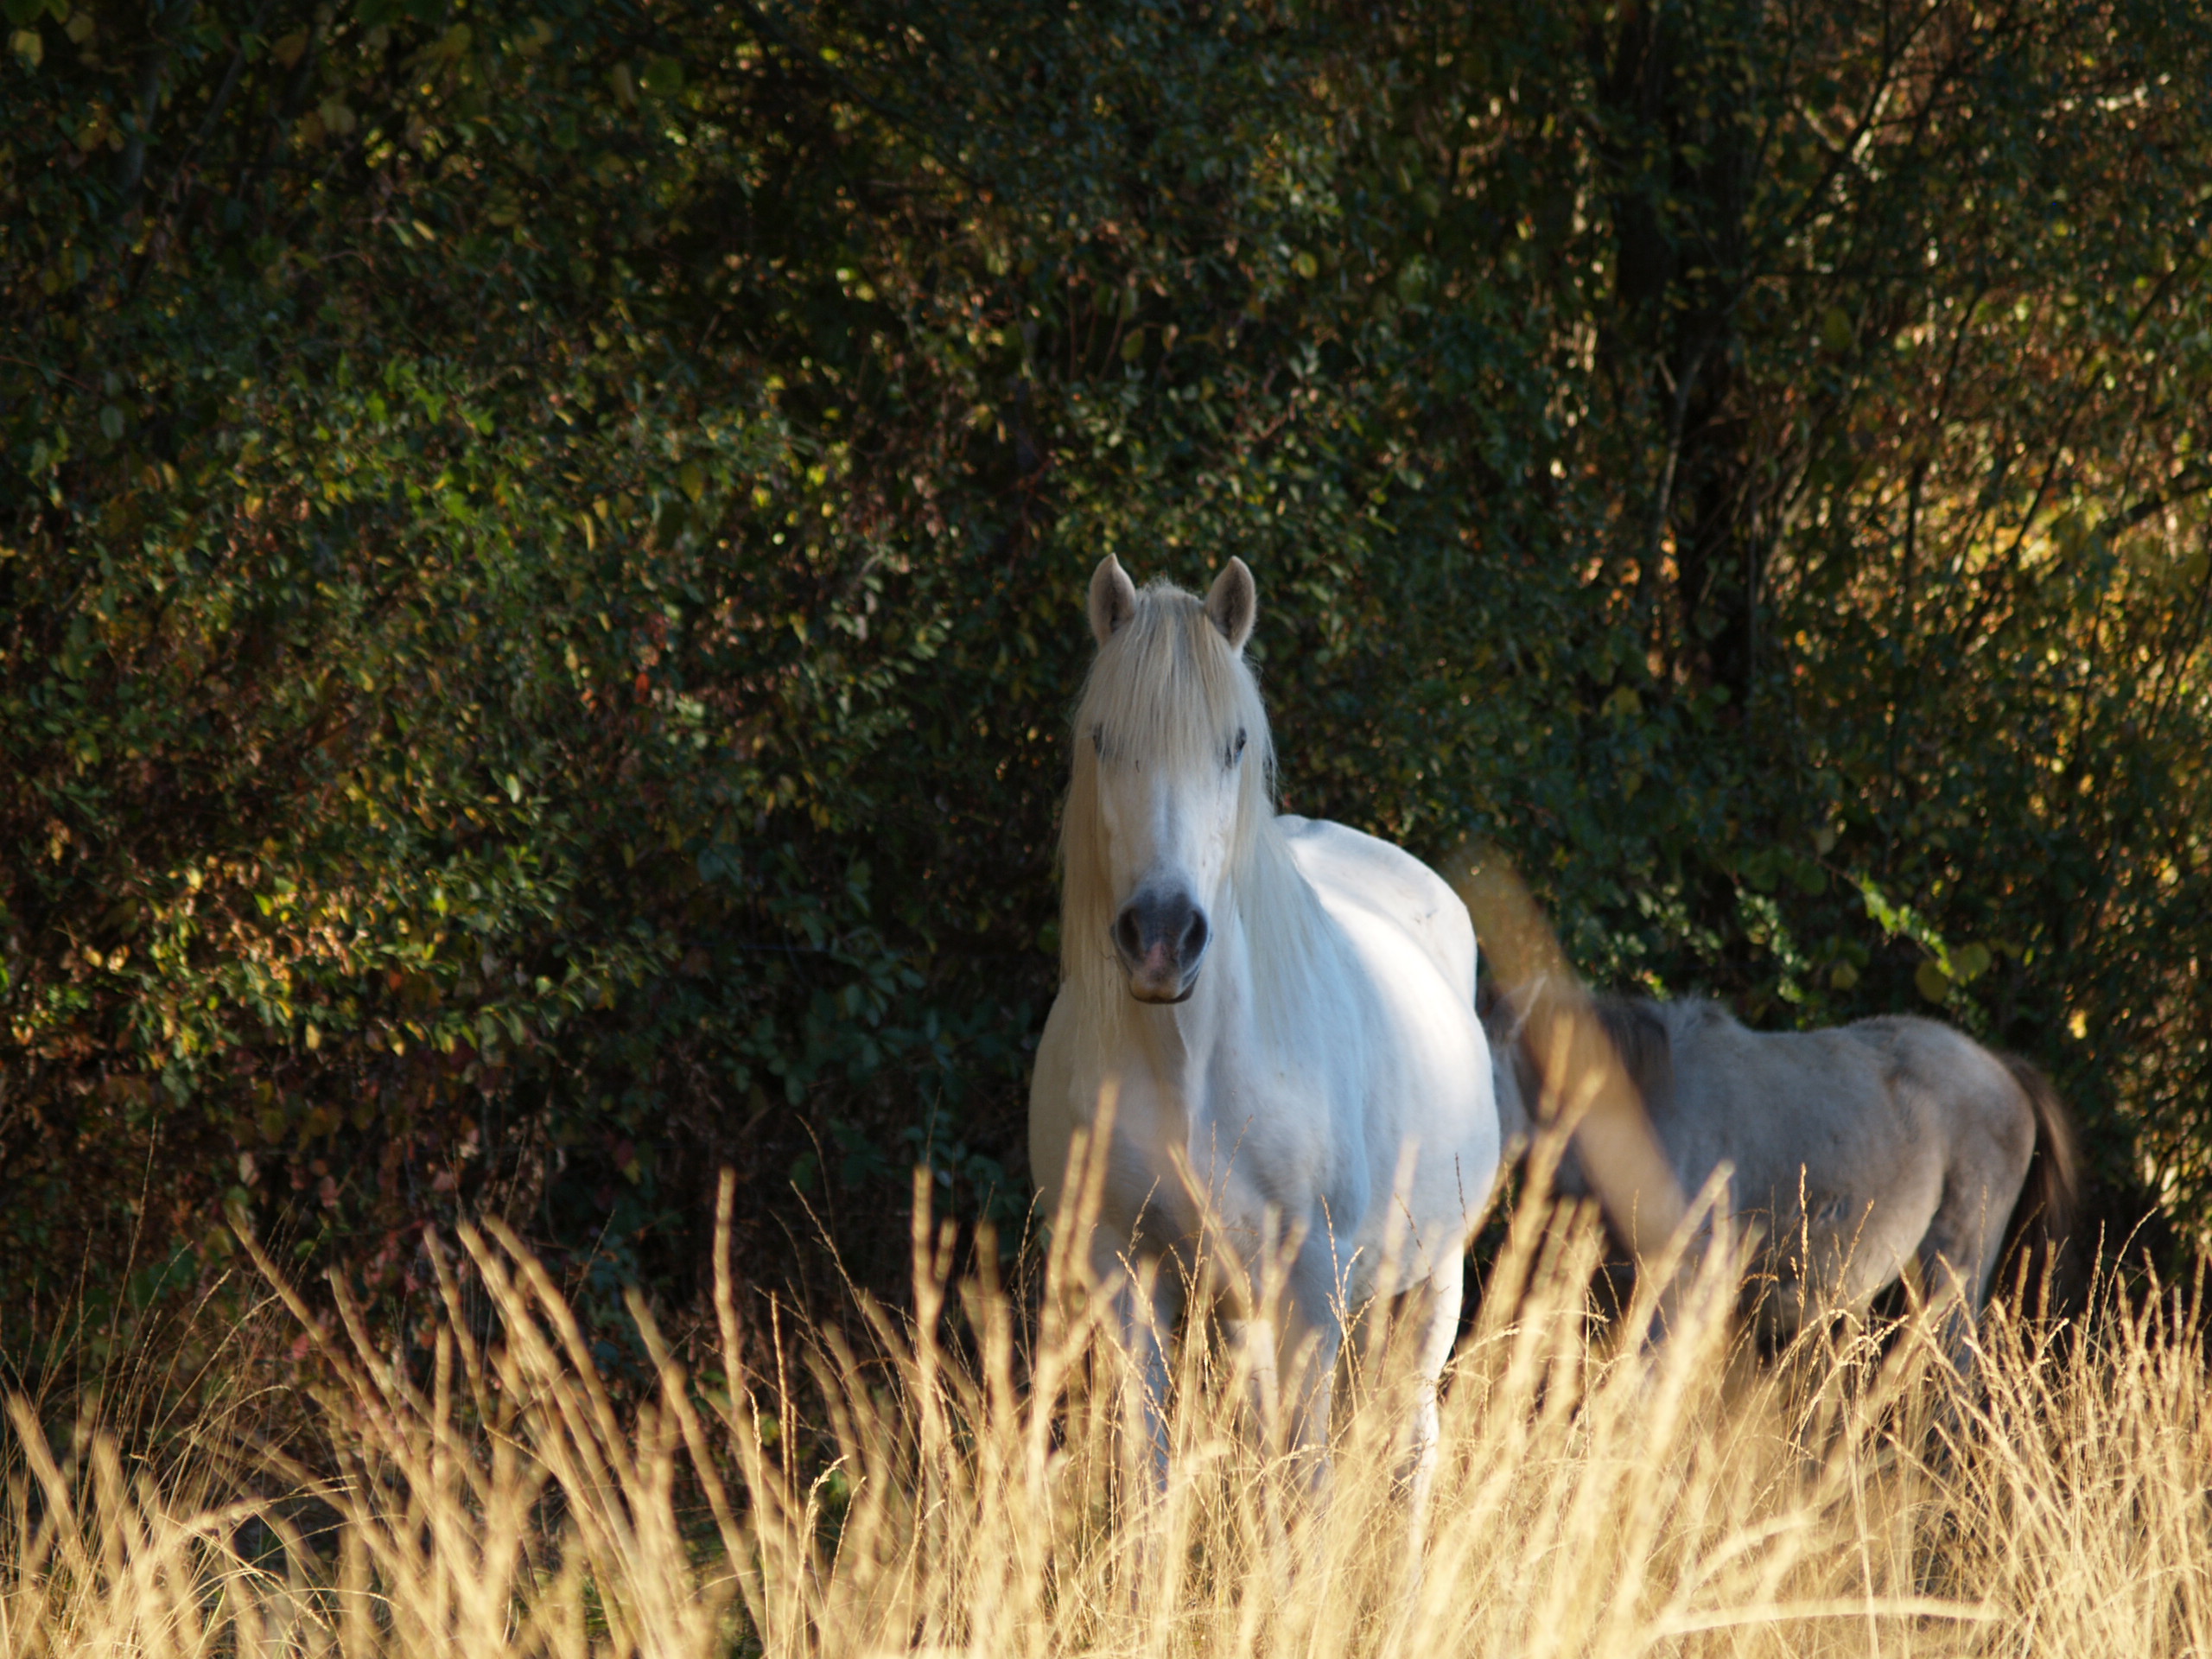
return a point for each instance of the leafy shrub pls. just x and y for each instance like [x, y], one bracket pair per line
[543, 553]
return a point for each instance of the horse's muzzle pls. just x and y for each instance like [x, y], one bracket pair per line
[1161, 938]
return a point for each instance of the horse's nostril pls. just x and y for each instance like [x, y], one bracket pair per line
[1126, 933]
[1194, 936]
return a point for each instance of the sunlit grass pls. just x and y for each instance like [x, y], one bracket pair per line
[960, 1483]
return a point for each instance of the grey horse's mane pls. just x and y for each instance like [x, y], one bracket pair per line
[1641, 1031]
[1641, 1036]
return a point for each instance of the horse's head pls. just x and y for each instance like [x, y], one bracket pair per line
[1171, 771]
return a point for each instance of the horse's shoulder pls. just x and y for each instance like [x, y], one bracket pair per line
[1694, 1013]
[1690, 1020]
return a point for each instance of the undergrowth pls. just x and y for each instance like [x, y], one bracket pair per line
[961, 1481]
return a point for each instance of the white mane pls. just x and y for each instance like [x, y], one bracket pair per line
[1166, 691]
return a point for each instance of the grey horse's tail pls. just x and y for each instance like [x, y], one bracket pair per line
[2042, 1217]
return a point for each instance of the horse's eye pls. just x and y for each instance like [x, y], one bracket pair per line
[1236, 749]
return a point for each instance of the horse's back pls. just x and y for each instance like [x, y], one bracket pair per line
[1811, 1124]
[1349, 867]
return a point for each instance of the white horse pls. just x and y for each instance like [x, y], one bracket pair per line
[1282, 1014]
[1859, 1152]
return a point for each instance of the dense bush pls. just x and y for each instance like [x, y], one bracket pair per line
[543, 552]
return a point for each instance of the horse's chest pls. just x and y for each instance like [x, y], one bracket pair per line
[1234, 1157]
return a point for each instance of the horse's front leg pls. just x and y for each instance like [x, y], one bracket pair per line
[1145, 1301]
[1288, 1337]
[1287, 1334]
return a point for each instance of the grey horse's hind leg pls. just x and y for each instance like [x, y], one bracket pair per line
[1991, 1143]
[1958, 1253]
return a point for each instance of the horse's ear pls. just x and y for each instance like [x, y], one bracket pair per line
[1113, 599]
[1234, 602]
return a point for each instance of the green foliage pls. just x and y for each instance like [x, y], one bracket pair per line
[544, 550]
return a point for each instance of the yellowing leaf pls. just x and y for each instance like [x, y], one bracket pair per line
[1932, 982]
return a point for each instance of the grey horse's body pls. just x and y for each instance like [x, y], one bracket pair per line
[1857, 1151]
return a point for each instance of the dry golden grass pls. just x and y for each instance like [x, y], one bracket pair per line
[973, 1498]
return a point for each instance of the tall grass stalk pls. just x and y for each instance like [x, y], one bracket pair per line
[966, 1480]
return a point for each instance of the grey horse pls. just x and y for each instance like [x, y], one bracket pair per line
[1858, 1152]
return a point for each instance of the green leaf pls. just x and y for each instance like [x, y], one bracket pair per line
[1932, 982]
